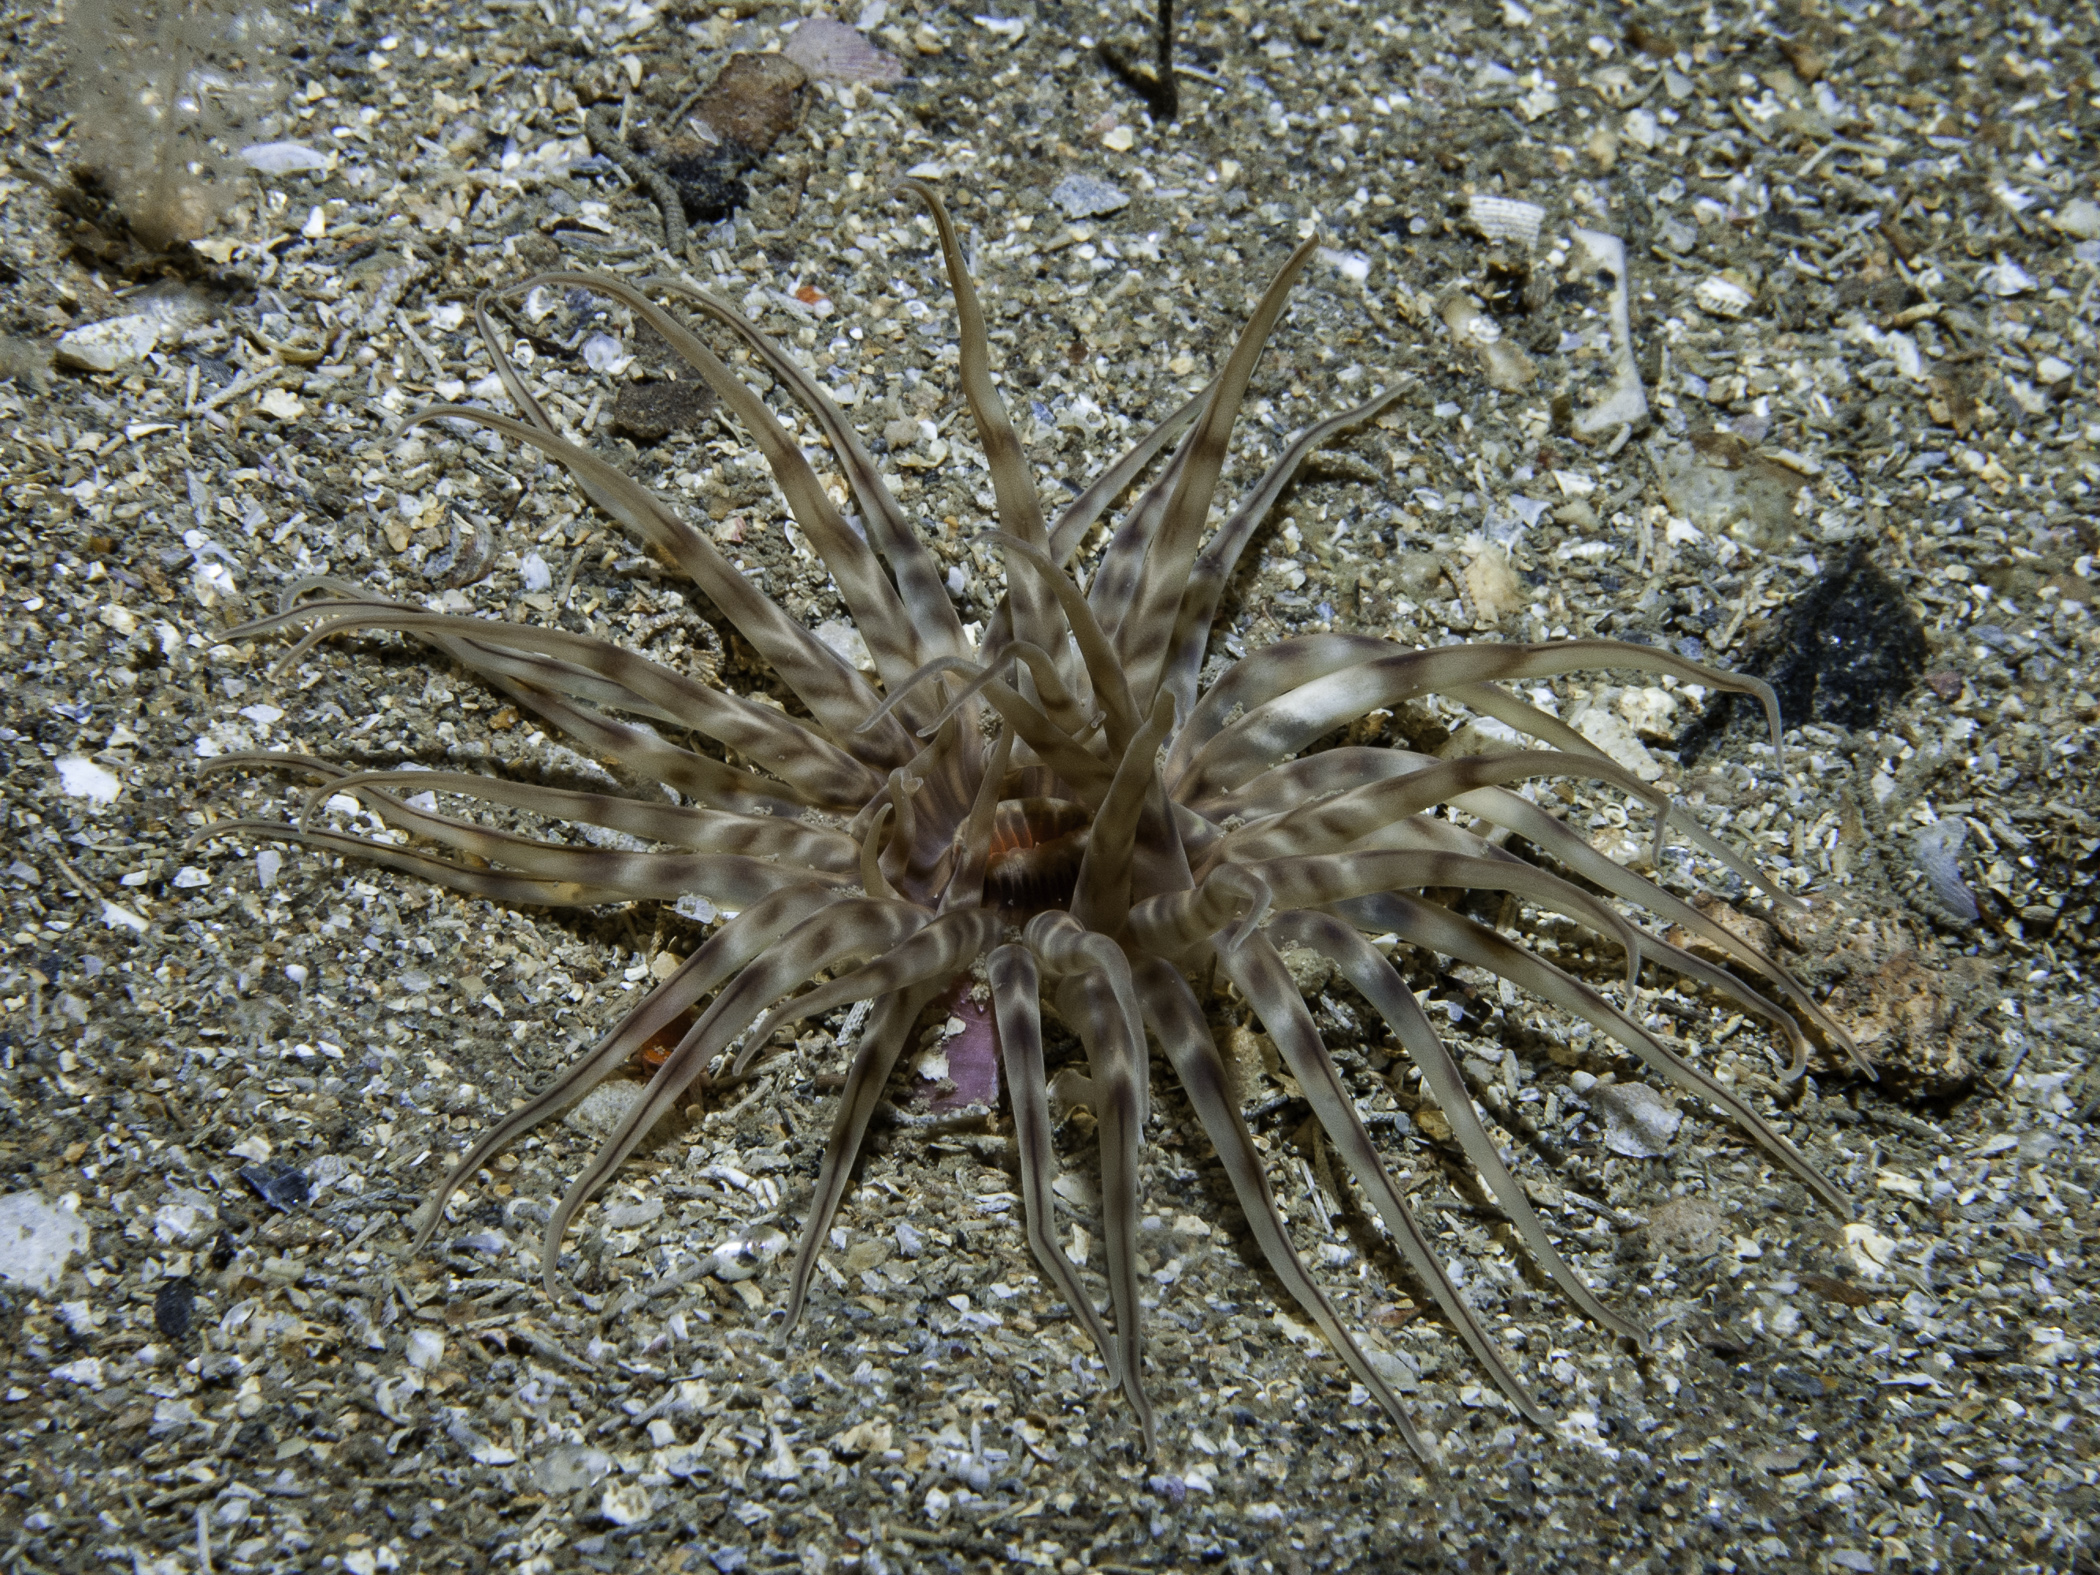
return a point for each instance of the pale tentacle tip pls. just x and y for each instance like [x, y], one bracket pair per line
[1245, 928]
[433, 1213]
[1261, 898]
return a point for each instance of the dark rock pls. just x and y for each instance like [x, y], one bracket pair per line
[1797, 1386]
[708, 184]
[745, 110]
[651, 412]
[1850, 648]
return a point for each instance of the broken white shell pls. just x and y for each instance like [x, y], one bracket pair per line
[1626, 404]
[1503, 364]
[1721, 297]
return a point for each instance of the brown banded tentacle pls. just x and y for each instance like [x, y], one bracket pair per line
[523, 890]
[873, 881]
[919, 580]
[1101, 899]
[585, 668]
[939, 666]
[730, 878]
[1019, 509]
[1087, 775]
[1103, 671]
[892, 637]
[689, 826]
[1053, 696]
[895, 858]
[1338, 823]
[1258, 677]
[1104, 1013]
[1198, 608]
[1492, 700]
[1306, 780]
[1258, 971]
[1332, 938]
[1012, 974]
[850, 930]
[1285, 696]
[762, 733]
[513, 380]
[835, 694]
[1067, 948]
[850, 927]
[1081, 514]
[1423, 833]
[1176, 1019]
[1119, 576]
[1140, 639]
[888, 1031]
[724, 953]
[948, 772]
[1500, 807]
[1171, 923]
[944, 947]
[965, 888]
[1436, 927]
[645, 751]
[1320, 879]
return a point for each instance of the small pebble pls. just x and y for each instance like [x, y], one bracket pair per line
[107, 345]
[38, 1239]
[1084, 197]
[1638, 1122]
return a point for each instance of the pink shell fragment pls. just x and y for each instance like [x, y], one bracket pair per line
[973, 1057]
[830, 51]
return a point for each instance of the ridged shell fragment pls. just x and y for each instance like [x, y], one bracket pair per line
[830, 51]
[1505, 218]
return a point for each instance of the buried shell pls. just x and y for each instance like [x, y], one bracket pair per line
[1060, 802]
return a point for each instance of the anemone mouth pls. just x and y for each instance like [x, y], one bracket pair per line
[1058, 800]
[1038, 845]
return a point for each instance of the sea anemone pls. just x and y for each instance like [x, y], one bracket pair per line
[1060, 806]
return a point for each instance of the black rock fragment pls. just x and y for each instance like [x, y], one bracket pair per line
[174, 1308]
[1850, 648]
[709, 187]
[280, 1186]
